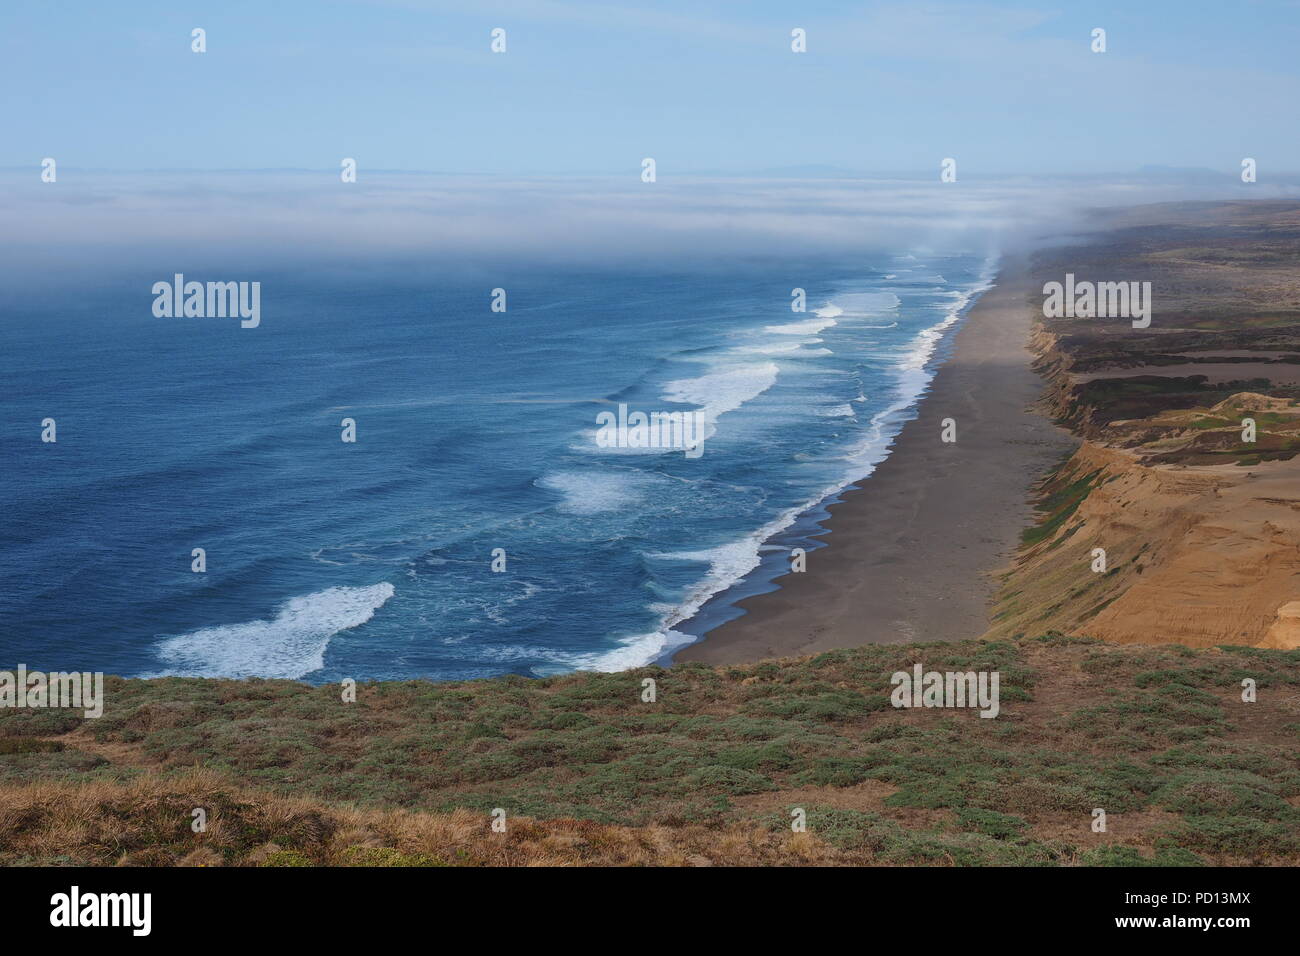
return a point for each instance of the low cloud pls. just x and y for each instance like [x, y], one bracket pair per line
[97, 223]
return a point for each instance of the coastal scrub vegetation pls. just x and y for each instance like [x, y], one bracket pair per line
[709, 773]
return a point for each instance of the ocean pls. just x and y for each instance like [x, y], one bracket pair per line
[476, 445]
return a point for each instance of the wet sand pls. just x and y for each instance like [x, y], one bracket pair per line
[913, 547]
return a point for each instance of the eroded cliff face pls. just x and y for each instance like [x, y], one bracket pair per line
[1285, 632]
[1192, 555]
[1178, 517]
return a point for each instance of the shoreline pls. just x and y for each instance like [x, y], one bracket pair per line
[908, 552]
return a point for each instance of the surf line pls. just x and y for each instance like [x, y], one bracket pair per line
[673, 430]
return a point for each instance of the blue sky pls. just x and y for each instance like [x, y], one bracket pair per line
[591, 87]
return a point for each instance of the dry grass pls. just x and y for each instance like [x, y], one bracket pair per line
[148, 822]
[589, 774]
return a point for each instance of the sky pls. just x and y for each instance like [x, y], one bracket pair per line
[704, 87]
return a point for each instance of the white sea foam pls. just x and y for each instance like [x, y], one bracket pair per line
[835, 411]
[730, 562]
[774, 348]
[724, 388]
[632, 652]
[802, 327]
[591, 492]
[866, 303]
[913, 377]
[289, 645]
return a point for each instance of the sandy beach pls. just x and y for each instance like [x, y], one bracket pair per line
[912, 548]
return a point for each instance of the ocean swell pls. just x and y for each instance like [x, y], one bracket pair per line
[289, 645]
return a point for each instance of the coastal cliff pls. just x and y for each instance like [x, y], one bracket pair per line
[1178, 517]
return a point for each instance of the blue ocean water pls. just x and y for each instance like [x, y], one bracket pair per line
[475, 431]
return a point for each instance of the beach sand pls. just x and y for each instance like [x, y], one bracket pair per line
[911, 548]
